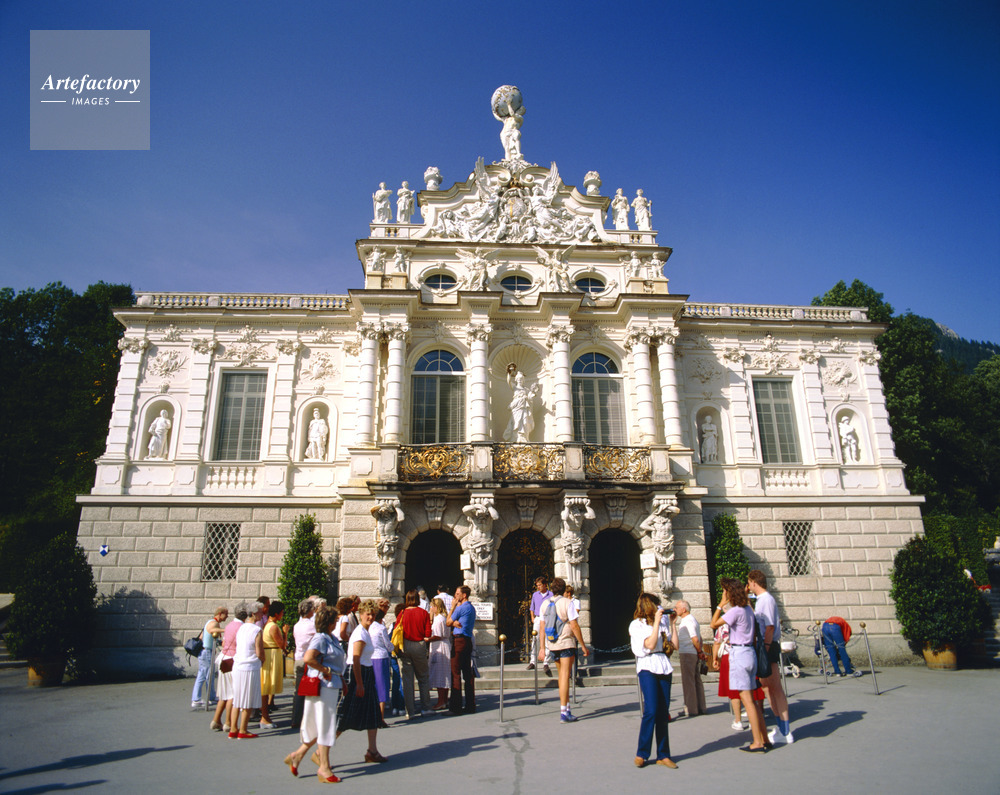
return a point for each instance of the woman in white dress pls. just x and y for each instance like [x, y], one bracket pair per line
[246, 672]
[439, 659]
[325, 659]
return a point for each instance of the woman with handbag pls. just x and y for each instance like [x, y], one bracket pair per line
[321, 685]
[359, 709]
[653, 640]
[221, 721]
[210, 634]
[736, 613]
[246, 673]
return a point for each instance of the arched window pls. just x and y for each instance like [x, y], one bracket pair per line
[598, 413]
[590, 284]
[438, 399]
[515, 284]
[440, 281]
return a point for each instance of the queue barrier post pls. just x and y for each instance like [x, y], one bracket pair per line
[534, 638]
[871, 662]
[503, 641]
[822, 651]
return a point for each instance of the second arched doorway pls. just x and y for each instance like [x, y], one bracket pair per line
[433, 560]
[615, 584]
[523, 556]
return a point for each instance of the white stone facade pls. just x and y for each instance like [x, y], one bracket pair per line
[642, 404]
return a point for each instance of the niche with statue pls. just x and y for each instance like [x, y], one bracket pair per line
[709, 433]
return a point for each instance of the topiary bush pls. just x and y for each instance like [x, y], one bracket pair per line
[303, 571]
[936, 604]
[55, 606]
[726, 557]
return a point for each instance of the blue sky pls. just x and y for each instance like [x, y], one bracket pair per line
[784, 145]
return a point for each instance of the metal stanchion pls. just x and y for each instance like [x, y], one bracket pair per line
[781, 667]
[503, 641]
[822, 650]
[573, 674]
[534, 636]
[871, 662]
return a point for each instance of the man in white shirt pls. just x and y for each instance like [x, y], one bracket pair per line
[691, 654]
[445, 597]
[769, 626]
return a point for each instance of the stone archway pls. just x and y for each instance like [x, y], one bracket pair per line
[523, 555]
[615, 584]
[432, 560]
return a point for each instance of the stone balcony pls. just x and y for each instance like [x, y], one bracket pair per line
[530, 463]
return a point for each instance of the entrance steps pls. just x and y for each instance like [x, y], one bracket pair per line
[6, 661]
[993, 637]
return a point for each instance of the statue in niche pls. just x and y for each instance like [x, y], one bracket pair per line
[381, 200]
[319, 432]
[481, 515]
[521, 422]
[575, 511]
[849, 446]
[633, 265]
[619, 209]
[404, 204]
[661, 535]
[402, 260]
[656, 266]
[508, 108]
[556, 269]
[158, 432]
[709, 441]
[642, 206]
[376, 263]
[388, 515]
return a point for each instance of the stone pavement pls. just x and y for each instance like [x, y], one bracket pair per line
[929, 731]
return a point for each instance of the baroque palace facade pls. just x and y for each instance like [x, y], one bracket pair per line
[514, 391]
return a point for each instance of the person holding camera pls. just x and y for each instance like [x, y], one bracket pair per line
[647, 633]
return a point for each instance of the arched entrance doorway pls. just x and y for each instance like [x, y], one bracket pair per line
[615, 584]
[523, 555]
[433, 560]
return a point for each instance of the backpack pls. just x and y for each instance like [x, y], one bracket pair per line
[553, 624]
[397, 635]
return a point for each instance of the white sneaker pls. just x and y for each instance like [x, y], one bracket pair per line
[197, 704]
[775, 736]
[857, 673]
[737, 726]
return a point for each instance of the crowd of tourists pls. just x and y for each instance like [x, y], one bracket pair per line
[358, 662]
[354, 663]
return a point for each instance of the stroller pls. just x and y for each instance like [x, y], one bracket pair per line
[789, 655]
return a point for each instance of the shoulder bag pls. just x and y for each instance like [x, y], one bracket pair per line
[760, 652]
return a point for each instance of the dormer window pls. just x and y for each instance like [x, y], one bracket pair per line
[590, 284]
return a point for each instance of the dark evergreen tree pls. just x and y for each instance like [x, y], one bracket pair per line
[726, 556]
[303, 571]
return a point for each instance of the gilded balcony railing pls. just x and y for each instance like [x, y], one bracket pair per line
[433, 462]
[529, 461]
[617, 463]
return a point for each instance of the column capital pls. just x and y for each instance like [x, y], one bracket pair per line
[558, 332]
[370, 331]
[396, 331]
[637, 335]
[664, 335]
[478, 332]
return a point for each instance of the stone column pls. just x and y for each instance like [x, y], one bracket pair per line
[668, 386]
[558, 341]
[638, 343]
[370, 333]
[396, 334]
[478, 336]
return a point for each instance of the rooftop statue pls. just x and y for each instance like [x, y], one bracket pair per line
[619, 206]
[509, 109]
[404, 204]
[381, 202]
[643, 214]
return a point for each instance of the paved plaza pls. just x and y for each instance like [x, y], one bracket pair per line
[928, 732]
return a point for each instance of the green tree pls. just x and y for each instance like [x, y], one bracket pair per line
[858, 294]
[726, 556]
[303, 572]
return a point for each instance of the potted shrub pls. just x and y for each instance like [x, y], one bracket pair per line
[54, 614]
[938, 607]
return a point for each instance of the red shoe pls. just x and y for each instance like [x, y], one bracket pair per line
[328, 779]
[233, 735]
[246, 736]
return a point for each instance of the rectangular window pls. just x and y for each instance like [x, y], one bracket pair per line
[438, 409]
[222, 548]
[798, 547]
[779, 443]
[597, 411]
[241, 417]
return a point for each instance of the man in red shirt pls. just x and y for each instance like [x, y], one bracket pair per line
[836, 633]
[416, 634]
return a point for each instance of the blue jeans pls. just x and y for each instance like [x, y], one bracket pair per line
[655, 714]
[836, 647]
[204, 666]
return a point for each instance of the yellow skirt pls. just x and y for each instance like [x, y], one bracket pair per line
[272, 673]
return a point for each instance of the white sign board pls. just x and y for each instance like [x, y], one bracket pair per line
[647, 560]
[484, 611]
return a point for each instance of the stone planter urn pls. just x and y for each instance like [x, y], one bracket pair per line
[943, 659]
[46, 671]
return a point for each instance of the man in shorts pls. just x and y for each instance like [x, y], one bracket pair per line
[564, 647]
[769, 626]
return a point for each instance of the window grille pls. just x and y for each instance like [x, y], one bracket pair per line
[241, 417]
[222, 548]
[799, 547]
[779, 442]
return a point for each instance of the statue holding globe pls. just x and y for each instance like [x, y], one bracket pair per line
[507, 108]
